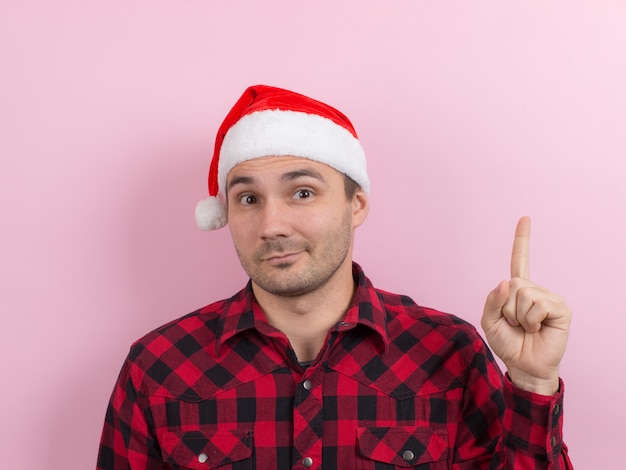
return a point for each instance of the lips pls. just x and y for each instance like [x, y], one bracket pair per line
[281, 257]
[280, 251]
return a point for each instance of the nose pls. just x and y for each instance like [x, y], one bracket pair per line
[274, 220]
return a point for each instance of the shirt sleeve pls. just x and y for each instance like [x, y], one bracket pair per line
[127, 441]
[533, 429]
[505, 427]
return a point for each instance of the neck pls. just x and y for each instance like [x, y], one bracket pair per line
[306, 319]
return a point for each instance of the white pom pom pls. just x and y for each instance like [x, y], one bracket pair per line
[211, 213]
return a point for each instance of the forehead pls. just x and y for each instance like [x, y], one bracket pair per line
[279, 165]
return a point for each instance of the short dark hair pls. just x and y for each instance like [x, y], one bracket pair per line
[350, 186]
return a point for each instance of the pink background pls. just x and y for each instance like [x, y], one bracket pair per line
[472, 114]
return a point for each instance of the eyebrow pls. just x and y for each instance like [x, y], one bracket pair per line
[289, 176]
[239, 180]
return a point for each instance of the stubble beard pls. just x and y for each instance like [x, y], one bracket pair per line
[320, 267]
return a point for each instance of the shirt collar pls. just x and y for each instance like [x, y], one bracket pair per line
[367, 308]
[241, 312]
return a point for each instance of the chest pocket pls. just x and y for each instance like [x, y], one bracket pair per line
[402, 447]
[198, 450]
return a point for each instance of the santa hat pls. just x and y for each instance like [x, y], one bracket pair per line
[269, 121]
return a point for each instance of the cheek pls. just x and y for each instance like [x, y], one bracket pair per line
[322, 223]
[240, 233]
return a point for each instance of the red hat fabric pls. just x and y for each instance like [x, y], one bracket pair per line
[270, 121]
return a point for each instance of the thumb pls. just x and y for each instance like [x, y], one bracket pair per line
[493, 305]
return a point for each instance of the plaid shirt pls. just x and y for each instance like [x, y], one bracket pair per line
[395, 386]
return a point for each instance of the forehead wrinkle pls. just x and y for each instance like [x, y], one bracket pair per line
[289, 175]
[302, 172]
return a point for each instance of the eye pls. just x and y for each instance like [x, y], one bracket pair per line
[247, 199]
[303, 194]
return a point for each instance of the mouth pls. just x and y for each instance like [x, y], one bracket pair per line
[282, 258]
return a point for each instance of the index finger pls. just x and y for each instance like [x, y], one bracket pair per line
[519, 255]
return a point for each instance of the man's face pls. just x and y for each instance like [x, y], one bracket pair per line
[291, 222]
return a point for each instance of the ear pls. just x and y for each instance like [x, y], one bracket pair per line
[360, 207]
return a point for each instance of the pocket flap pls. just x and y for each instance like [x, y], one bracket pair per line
[403, 446]
[199, 450]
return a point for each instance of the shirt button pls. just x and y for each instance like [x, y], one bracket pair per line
[203, 458]
[307, 462]
[553, 441]
[408, 455]
[556, 410]
[307, 384]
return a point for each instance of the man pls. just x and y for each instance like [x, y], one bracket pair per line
[310, 366]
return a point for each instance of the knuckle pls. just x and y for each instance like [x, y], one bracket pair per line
[508, 312]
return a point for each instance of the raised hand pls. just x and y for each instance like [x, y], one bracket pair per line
[527, 325]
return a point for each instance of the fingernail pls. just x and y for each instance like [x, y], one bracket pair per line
[512, 322]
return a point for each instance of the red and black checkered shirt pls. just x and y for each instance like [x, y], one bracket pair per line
[395, 386]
